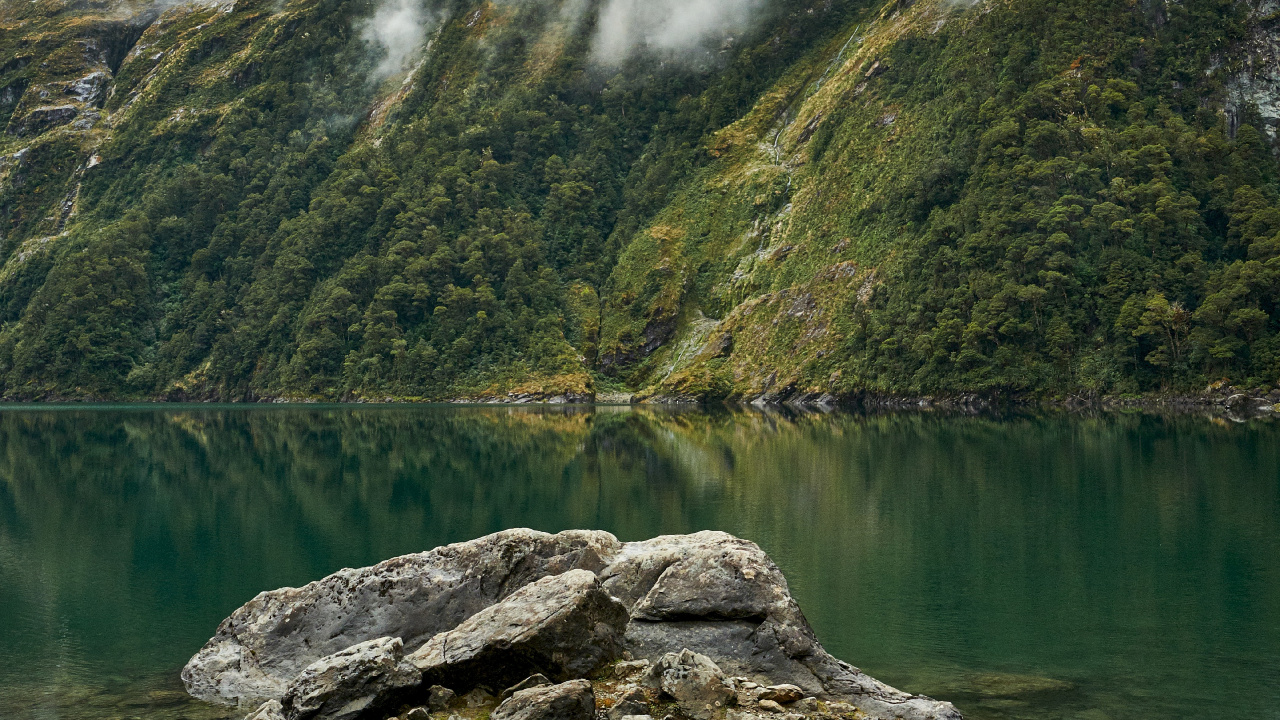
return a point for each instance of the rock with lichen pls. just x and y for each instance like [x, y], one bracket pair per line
[705, 620]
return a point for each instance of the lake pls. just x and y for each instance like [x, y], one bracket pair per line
[1117, 566]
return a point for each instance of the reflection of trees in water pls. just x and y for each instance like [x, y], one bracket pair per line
[911, 539]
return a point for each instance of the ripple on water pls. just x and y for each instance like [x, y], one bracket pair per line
[1055, 567]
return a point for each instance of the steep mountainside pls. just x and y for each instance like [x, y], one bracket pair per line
[459, 198]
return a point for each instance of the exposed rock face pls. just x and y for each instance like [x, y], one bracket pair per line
[268, 641]
[344, 685]
[90, 89]
[564, 626]
[1257, 83]
[43, 118]
[573, 700]
[496, 610]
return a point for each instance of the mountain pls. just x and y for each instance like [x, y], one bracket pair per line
[434, 199]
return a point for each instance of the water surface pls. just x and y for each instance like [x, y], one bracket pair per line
[1122, 566]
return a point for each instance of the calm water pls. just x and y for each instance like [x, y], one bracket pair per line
[1120, 567]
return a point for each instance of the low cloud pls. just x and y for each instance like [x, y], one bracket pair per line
[398, 32]
[673, 30]
[669, 28]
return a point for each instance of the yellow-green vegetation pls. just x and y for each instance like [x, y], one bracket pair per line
[222, 200]
[1025, 197]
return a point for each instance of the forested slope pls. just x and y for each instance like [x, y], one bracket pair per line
[299, 200]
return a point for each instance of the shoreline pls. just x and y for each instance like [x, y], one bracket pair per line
[1237, 406]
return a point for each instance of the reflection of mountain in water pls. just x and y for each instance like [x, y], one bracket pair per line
[1121, 562]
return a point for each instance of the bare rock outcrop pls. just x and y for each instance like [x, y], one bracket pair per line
[43, 118]
[491, 612]
[265, 644]
[724, 598]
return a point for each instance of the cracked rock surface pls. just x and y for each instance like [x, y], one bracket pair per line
[694, 680]
[267, 642]
[344, 685]
[563, 626]
[486, 614]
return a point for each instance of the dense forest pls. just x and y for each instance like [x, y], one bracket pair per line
[437, 199]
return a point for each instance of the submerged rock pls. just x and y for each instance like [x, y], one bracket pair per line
[492, 612]
[1013, 685]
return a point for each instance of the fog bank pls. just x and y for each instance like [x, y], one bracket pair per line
[673, 30]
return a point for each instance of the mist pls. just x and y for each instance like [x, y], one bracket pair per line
[397, 32]
[671, 30]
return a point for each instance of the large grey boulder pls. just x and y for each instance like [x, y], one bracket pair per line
[268, 641]
[43, 118]
[709, 592]
[573, 700]
[564, 626]
[344, 685]
[724, 598]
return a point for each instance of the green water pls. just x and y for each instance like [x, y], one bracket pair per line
[1123, 567]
